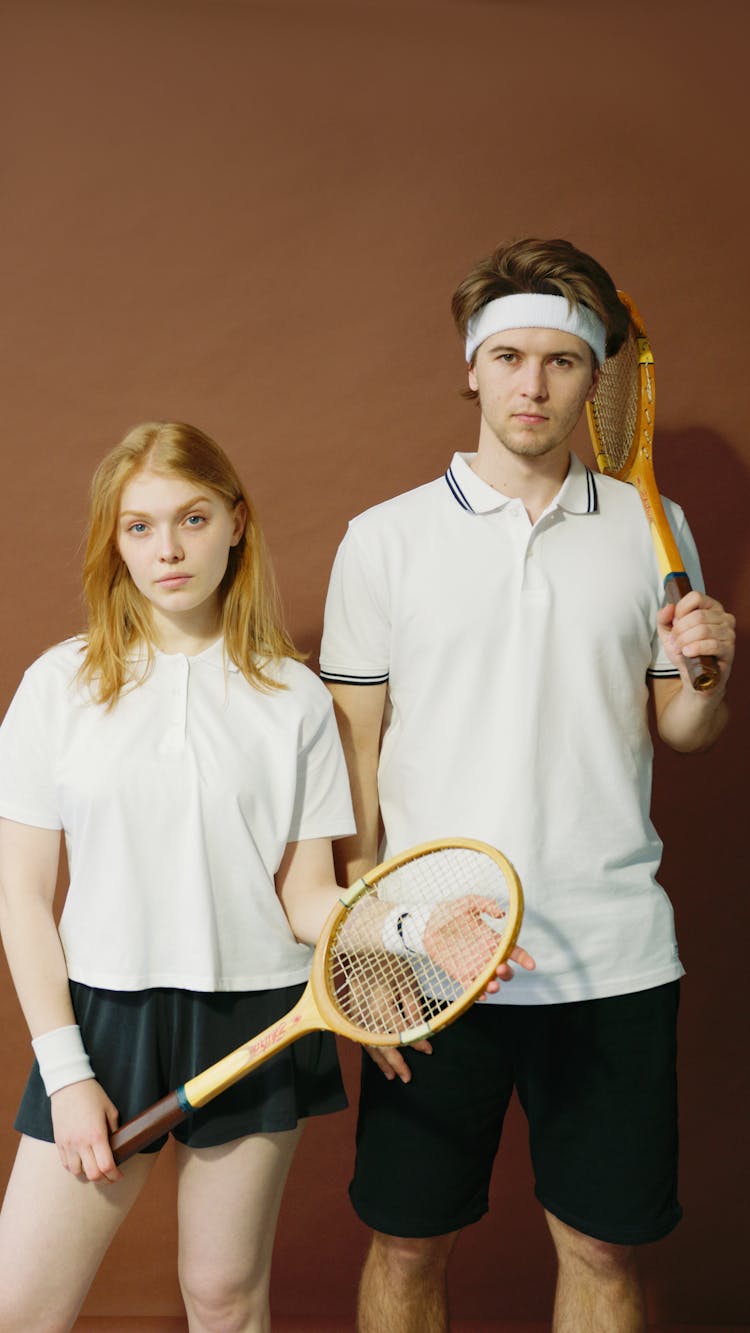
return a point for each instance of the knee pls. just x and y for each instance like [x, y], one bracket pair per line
[405, 1258]
[604, 1261]
[224, 1302]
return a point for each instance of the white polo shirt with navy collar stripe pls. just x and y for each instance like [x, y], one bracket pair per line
[177, 806]
[517, 658]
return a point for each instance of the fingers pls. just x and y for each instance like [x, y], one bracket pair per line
[83, 1118]
[698, 626]
[391, 1062]
[476, 902]
[424, 1047]
[90, 1161]
[523, 958]
[410, 1006]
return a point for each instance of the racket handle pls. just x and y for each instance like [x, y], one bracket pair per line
[703, 671]
[149, 1125]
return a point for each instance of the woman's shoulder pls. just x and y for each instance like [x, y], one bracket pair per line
[298, 679]
[61, 660]
[49, 684]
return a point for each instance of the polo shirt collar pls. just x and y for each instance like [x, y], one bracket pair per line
[213, 656]
[577, 495]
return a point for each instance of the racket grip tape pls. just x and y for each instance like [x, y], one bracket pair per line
[149, 1125]
[703, 671]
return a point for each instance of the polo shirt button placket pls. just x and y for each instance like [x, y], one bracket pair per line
[180, 719]
[174, 736]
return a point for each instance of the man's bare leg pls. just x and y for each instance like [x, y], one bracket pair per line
[598, 1286]
[403, 1287]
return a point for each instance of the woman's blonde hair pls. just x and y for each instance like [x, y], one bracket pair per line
[119, 616]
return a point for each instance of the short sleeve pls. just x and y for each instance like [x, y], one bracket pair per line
[356, 642]
[322, 806]
[27, 782]
[660, 663]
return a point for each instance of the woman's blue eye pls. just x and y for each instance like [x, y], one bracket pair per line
[137, 527]
[195, 519]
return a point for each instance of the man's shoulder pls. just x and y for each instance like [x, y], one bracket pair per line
[620, 497]
[401, 510]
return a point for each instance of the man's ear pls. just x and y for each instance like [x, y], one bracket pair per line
[594, 385]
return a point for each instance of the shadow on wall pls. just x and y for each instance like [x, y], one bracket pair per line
[699, 808]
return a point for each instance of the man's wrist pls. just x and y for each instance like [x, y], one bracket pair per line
[403, 930]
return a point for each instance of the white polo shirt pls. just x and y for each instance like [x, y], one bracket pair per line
[517, 659]
[177, 805]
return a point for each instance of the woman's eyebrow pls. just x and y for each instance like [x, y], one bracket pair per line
[183, 509]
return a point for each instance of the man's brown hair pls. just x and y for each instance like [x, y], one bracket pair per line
[553, 268]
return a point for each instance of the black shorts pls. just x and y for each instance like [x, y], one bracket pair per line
[597, 1081]
[143, 1044]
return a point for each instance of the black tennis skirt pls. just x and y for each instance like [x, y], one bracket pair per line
[143, 1044]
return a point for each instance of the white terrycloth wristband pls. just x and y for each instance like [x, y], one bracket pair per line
[62, 1058]
[403, 930]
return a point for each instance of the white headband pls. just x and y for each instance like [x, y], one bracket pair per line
[534, 310]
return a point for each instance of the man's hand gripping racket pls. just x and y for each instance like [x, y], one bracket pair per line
[621, 424]
[405, 951]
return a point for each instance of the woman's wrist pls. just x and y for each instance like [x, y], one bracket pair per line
[62, 1058]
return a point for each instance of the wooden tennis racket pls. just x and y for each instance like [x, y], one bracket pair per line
[405, 951]
[621, 425]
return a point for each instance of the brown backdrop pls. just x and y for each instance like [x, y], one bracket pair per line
[251, 216]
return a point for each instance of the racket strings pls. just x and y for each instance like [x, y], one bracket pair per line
[614, 410]
[384, 985]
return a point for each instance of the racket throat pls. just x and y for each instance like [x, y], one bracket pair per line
[300, 1020]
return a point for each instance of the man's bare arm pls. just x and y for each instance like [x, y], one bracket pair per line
[688, 720]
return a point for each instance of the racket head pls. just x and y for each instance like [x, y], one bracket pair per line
[367, 992]
[622, 413]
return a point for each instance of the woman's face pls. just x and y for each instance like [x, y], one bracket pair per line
[175, 535]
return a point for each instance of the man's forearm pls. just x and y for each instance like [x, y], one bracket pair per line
[691, 721]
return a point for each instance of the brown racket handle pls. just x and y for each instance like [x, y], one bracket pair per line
[703, 671]
[149, 1125]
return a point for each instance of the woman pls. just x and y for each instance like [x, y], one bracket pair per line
[194, 766]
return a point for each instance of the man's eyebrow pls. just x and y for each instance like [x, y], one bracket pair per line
[568, 352]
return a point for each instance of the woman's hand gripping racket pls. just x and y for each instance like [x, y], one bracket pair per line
[621, 425]
[405, 951]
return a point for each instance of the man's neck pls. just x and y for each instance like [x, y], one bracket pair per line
[534, 481]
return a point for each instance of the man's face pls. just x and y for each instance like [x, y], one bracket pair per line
[532, 386]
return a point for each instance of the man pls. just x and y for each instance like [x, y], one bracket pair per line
[491, 643]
